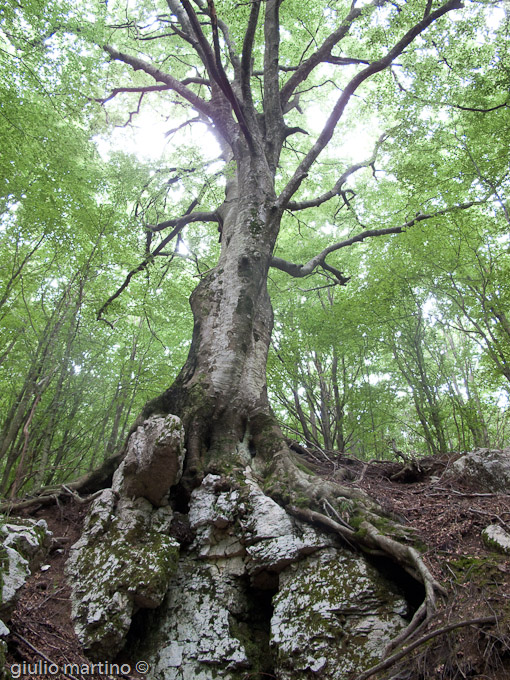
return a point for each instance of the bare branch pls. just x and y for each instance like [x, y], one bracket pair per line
[323, 53]
[337, 188]
[272, 102]
[169, 133]
[160, 76]
[178, 224]
[345, 61]
[246, 57]
[301, 270]
[458, 107]
[184, 220]
[212, 61]
[141, 90]
[375, 67]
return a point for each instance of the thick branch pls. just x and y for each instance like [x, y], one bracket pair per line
[184, 220]
[337, 188]
[212, 61]
[246, 57]
[272, 103]
[186, 31]
[301, 270]
[345, 61]
[319, 56]
[375, 67]
[234, 58]
[160, 76]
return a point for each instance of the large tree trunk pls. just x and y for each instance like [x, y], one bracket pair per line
[220, 393]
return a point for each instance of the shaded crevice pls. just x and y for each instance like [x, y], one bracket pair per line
[412, 591]
[180, 498]
[252, 627]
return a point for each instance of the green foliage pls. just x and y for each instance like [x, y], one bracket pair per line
[416, 347]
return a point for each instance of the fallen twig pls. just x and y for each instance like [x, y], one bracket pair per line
[491, 514]
[42, 655]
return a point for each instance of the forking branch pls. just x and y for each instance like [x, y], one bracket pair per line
[337, 189]
[325, 136]
[172, 83]
[319, 260]
[178, 225]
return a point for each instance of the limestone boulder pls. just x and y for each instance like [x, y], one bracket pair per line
[125, 557]
[333, 616]
[122, 562]
[259, 594]
[195, 637]
[487, 469]
[25, 543]
[496, 538]
[153, 461]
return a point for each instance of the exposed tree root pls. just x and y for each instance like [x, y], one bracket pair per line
[90, 483]
[390, 660]
[354, 516]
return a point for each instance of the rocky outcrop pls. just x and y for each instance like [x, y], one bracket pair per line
[250, 590]
[487, 469]
[153, 462]
[24, 544]
[333, 616]
[125, 557]
[259, 592]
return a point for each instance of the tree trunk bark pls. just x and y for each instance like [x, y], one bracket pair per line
[220, 393]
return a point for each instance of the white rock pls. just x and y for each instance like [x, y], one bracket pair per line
[14, 576]
[496, 538]
[486, 468]
[332, 613]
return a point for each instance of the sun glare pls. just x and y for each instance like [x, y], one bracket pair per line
[147, 138]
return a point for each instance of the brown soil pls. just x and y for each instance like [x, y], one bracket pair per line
[446, 517]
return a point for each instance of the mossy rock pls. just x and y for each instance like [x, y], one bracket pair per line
[497, 539]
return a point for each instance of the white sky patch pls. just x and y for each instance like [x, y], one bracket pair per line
[147, 138]
[375, 378]
[357, 145]
[503, 399]
[183, 248]
[429, 309]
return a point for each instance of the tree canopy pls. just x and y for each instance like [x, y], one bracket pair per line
[381, 129]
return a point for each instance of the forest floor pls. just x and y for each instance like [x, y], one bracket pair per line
[447, 518]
